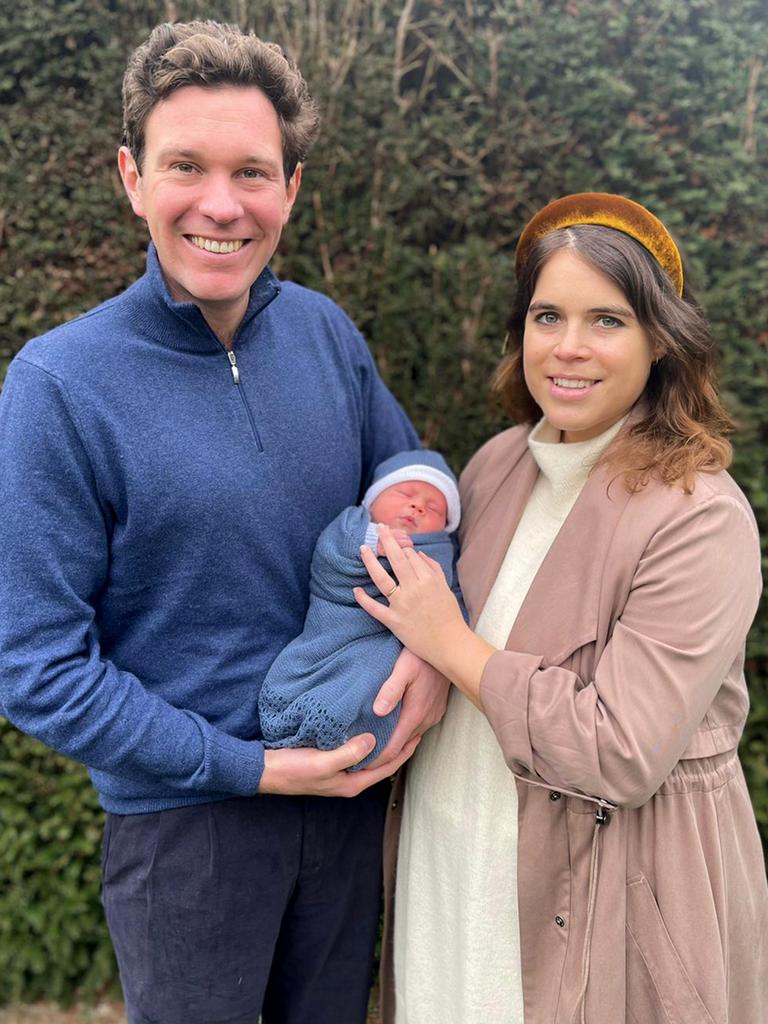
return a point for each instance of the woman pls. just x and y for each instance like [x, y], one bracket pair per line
[577, 840]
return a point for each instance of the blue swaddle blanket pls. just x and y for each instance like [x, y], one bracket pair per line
[320, 689]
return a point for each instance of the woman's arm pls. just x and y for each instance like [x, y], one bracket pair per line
[618, 735]
[677, 639]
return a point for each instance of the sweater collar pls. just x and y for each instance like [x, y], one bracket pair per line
[567, 466]
[181, 325]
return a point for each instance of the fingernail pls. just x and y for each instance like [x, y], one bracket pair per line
[381, 707]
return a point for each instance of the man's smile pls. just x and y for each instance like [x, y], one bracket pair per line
[214, 245]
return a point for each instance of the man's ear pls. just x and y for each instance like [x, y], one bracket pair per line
[131, 178]
[291, 191]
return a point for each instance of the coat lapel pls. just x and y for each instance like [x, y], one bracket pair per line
[561, 609]
[492, 521]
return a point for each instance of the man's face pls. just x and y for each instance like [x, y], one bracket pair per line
[213, 193]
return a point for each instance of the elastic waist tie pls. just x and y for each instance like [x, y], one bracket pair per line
[602, 818]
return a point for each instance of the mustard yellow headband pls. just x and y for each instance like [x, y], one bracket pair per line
[611, 212]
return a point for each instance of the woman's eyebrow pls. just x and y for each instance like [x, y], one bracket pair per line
[612, 311]
[540, 304]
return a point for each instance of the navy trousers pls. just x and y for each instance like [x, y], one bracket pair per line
[268, 905]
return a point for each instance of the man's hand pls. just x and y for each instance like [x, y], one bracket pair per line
[400, 537]
[305, 771]
[424, 693]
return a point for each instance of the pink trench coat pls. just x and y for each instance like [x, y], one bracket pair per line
[620, 699]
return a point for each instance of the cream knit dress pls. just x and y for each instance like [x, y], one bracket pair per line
[457, 946]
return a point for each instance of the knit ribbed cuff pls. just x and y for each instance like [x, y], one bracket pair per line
[230, 765]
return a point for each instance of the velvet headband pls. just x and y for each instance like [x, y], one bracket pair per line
[607, 211]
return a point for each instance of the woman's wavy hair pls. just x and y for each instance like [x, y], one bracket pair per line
[682, 429]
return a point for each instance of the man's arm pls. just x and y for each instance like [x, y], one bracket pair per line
[56, 684]
[54, 563]
[385, 429]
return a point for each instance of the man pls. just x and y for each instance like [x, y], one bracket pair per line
[155, 543]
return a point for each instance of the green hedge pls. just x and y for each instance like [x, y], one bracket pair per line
[447, 123]
[52, 935]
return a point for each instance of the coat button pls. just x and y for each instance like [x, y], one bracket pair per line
[394, 804]
[554, 795]
[560, 921]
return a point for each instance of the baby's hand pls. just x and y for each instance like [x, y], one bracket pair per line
[400, 537]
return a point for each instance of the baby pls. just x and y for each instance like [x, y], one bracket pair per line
[320, 689]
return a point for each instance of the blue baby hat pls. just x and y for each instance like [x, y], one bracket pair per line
[421, 464]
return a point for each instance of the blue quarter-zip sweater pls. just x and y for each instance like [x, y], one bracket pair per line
[160, 500]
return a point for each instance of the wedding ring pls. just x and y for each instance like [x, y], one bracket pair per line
[392, 591]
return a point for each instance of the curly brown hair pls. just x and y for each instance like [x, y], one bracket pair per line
[683, 427]
[212, 54]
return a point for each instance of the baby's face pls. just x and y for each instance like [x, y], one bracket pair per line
[413, 506]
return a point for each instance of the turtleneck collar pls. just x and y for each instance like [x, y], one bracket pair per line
[181, 325]
[567, 466]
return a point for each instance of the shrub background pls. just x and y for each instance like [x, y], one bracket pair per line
[446, 125]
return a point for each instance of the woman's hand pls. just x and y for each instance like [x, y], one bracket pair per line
[423, 614]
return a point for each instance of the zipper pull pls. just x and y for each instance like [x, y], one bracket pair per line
[233, 367]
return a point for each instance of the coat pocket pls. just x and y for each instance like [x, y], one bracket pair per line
[659, 990]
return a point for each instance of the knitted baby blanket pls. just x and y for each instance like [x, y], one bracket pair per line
[320, 689]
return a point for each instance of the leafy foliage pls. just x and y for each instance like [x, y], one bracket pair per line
[446, 124]
[52, 933]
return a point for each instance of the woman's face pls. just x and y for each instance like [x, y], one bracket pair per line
[586, 358]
